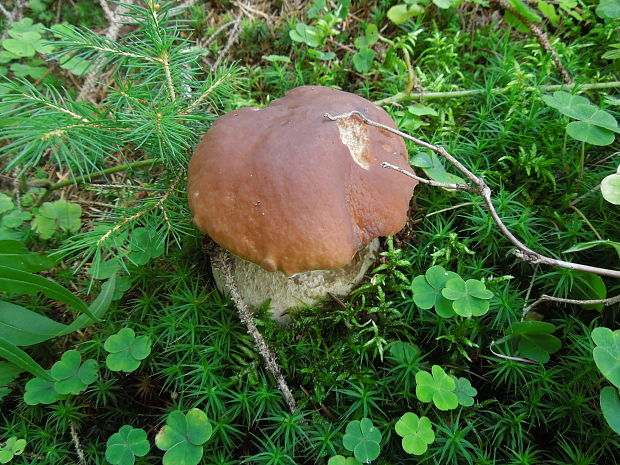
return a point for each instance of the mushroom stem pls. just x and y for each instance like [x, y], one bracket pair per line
[221, 259]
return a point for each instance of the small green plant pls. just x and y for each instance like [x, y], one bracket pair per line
[41, 391]
[71, 375]
[363, 439]
[607, 353]
[464, 391]
[59, 215]
[593, 126]
[417, 433]
[182, 437]
[469, 298]
[607, 358]
[450, 294]
[126, 350]
[610, 406]
[402, 12]
[437, 387]
[610, 187]
[342, 460]
[432, 165]
[11, 220]
[24, 42]
[362, 60]
[532, 340]
[427, 290]
[124, 446]
[11, 448]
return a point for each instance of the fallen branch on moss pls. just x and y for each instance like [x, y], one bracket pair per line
[480, 187]
[404, 96]
[221, 260]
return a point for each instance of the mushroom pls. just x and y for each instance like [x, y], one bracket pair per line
[300, 200]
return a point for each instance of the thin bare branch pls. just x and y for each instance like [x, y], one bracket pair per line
[222, 261]
[430, 182]
[78, 447]
[561, 300]
[541, 37]
[523, 252]
[403, 96]
[232, 38]
[116, 19]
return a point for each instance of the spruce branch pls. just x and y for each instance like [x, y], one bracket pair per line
[51, 187]
[523, 252]
[157, 205]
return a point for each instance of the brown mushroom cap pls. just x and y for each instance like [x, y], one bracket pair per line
[290, 190]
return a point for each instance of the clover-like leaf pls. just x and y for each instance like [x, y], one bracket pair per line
[438, 388]
[8, 374]
[434, 169]
[609, 9]
[145, 244]
[464, 391]
[565, 103]
[417, 433]
[610, 188]
[6, 203]
[11, 448]
[363, 59]
[470, 298]
[71, 375]
[56, 215]
[427, 290]
[610, 406]
[589, 133]
[400, 13]
[607, 353]
[308, 35]
[363, 439]
[182, 437]
[342, 460]
[123, 447]
[533, 339]
[40, 391]
[126, 350]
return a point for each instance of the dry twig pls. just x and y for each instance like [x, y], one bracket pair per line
[78, 446]
[541, 37]
[222, 262]
[13, 16]
[116, 19]
[561, 300]
[480, 187]
[232, 38]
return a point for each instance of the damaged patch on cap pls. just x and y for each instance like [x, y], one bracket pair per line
[354, 134]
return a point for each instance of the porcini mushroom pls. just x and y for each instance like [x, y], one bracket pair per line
[300, 200]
